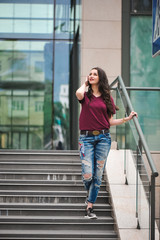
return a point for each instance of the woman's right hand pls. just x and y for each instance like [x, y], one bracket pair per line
[80, 91]
[87, 81]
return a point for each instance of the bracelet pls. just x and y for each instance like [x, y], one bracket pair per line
[124, 121]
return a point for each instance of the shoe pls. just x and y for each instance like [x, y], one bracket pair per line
[90, 214]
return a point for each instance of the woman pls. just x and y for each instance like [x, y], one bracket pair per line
[95, 120]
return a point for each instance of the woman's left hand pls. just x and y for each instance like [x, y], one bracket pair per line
[132, 114]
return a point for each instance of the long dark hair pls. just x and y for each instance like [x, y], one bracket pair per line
[104, 89]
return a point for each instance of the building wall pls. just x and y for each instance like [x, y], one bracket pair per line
[101, 37]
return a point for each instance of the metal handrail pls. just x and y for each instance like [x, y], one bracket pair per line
[143, 88]
[154, 174]
[140, 88]
[137, 125]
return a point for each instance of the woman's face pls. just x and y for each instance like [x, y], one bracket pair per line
[93, 77]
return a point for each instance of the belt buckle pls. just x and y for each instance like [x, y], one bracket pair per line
[96, 132]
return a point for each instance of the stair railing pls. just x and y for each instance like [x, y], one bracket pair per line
[141, 148]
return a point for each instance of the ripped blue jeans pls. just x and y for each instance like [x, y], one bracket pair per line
[93, 153]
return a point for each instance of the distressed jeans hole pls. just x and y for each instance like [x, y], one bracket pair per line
[101, 164]
[87, 176]
[86, 163]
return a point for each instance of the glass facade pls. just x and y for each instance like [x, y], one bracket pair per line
[141, 6]
[144, 72]
[37, 48]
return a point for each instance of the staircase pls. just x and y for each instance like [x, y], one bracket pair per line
[42, 197]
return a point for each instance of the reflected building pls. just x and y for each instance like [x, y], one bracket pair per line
[36, 51]
[64, 95]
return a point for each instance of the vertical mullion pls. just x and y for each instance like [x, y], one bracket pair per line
[53, 67]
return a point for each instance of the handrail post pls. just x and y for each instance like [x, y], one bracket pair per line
[125, 155]
[152, 207]
[139, 152]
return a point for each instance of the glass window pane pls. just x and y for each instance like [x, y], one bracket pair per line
[4, 138]
[19, 10]
[21, 45]
[18, 138]
[141, 6]
[27, 65]
[62, 25]
[25, 61]
[23, 141]
[5, 66]
[36, 19]
[6, 25]
[50, 26]
[39, 11]
[21, 26]
[16, 141]
[78, 16]
[50, 11]
[19, 112]
[39, 26]
[6, 45]
[36, 138]
[145, 73]
[6, 10]
[61, 95]
[36, 108]
[5, 109]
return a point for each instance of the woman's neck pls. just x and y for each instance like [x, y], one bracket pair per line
[96, 91]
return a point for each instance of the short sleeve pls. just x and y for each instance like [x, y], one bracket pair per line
[82, 101]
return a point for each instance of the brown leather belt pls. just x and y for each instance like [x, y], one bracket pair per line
[94, 133]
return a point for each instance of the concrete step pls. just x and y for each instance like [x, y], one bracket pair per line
[48, 197]
[46, 238]
[50, 182]
[43, 160]
[56, 234]
[42, 197]
[39, 155]
[14, 209]
[55, 223]
[45, 186]
[39, 165]
[40, 175]
[51, 193]
[42, 170]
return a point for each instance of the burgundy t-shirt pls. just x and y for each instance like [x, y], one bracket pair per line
[93, 114]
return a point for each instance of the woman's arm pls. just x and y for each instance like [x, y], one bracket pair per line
[80, 91]
[120, 121]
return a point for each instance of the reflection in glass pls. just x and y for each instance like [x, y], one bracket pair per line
[37, 18]
[23, 61]
[141, 6]
[61, 94]
[19, 12]
[6, 25]
[64, 26]
[6, 10]
[21, 26]
[34, 100]
[145, 73]
[26, 66]
[77, 16]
